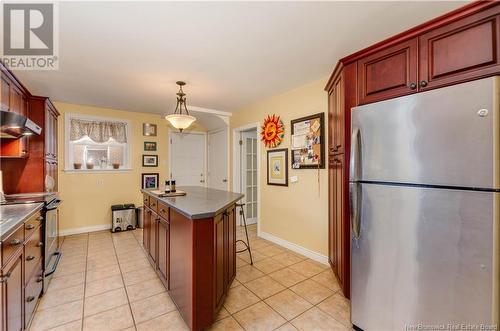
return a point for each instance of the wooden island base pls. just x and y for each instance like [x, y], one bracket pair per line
[194, 258]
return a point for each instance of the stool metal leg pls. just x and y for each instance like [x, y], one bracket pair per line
[247, 244]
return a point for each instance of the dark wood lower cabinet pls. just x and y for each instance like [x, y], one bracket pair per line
[163, 250]
[195, 259]
[153, 237]
[13, 289]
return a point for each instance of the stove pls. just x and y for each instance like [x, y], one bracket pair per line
[50, 213]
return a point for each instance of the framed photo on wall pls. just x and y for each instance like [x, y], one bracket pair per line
[149, 129]
[277, 167]
[149, 160]
[308, 142]
[150, 180]
[150, 146]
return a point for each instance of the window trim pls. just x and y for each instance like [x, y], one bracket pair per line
[68, 166]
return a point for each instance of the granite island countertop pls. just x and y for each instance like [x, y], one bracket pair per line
[199, 202]
[11, 216]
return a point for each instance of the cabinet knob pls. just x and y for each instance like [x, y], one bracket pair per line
[30, 226]
[40, 244]
[39, 279]
[413, 86]
[5, 278]
[423, 83]
[30, 257]
[15, 242]
[30, 298]
[39, 218]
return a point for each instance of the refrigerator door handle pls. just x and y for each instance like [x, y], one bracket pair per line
[355, 212]
[355, 161]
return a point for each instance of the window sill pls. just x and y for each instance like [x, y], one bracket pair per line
[91, 171]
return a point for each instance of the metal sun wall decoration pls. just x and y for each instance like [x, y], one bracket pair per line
[273, 131]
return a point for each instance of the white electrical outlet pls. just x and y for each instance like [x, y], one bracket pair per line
[294, 179]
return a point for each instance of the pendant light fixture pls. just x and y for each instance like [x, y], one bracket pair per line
[178, 119]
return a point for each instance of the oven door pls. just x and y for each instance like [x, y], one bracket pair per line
[52, 254]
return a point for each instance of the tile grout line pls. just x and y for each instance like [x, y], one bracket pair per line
[124, 287]
[85, 282]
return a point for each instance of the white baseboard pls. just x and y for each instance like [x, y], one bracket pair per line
[69, 232]
[294, 247]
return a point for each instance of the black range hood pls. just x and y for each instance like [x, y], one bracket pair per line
[14, 125]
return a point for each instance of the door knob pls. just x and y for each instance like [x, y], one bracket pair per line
[423, 83]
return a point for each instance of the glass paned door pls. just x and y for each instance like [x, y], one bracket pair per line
[249, 174]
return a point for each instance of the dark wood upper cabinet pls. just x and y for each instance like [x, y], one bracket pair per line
[336, 106]
[462, 50]
[388, 73]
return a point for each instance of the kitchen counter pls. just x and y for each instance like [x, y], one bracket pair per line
[199, 202]
[11, 216]
[191, 243]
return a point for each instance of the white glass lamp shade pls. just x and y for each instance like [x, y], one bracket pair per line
[180, 121]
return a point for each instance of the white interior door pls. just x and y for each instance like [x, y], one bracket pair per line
[217, 159]
[187, 158]
[249, 180]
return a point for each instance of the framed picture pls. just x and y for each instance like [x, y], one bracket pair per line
[149, 160]
[150, 146]
[149, 129]
[308, 142]
[277, 167]
[150, 180]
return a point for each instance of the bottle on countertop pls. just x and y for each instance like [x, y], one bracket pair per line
[172, 186]
[167, 186]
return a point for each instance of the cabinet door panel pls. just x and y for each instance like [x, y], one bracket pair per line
[153, 236]
[5, 93]
[388, 73]
[332, 242]
[219, 259]
[146, 229]
[163, 249]
[14, 299]
[16, 100]
[231, 245]
[463, 50]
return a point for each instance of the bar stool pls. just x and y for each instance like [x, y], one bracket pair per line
[247, 244]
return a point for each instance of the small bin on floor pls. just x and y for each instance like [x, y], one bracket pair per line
[124, 217]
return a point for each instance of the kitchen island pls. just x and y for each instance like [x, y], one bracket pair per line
[191, 242]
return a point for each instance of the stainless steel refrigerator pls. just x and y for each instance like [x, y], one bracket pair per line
[425, 205]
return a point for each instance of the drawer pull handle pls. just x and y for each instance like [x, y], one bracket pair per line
[30, 227]
[40, 244]
[162, 210]
[39, 218]
[39, 279]
[30, 257]
[15, 242]
[30, 298]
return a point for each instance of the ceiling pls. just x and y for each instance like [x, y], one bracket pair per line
[128, 55]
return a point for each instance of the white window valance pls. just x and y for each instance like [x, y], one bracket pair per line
[98, 131]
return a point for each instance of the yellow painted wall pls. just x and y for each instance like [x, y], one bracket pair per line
[297, 213]
[87, 197]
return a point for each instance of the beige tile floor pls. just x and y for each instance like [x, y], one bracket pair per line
[105, 282]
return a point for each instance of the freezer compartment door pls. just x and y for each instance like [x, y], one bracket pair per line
[447, 136]
[424, 257]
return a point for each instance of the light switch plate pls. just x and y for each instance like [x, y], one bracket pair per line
[294, 179]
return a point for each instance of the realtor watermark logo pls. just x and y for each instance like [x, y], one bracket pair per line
[30, 36]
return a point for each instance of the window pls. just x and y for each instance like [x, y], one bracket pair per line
[97, 144]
